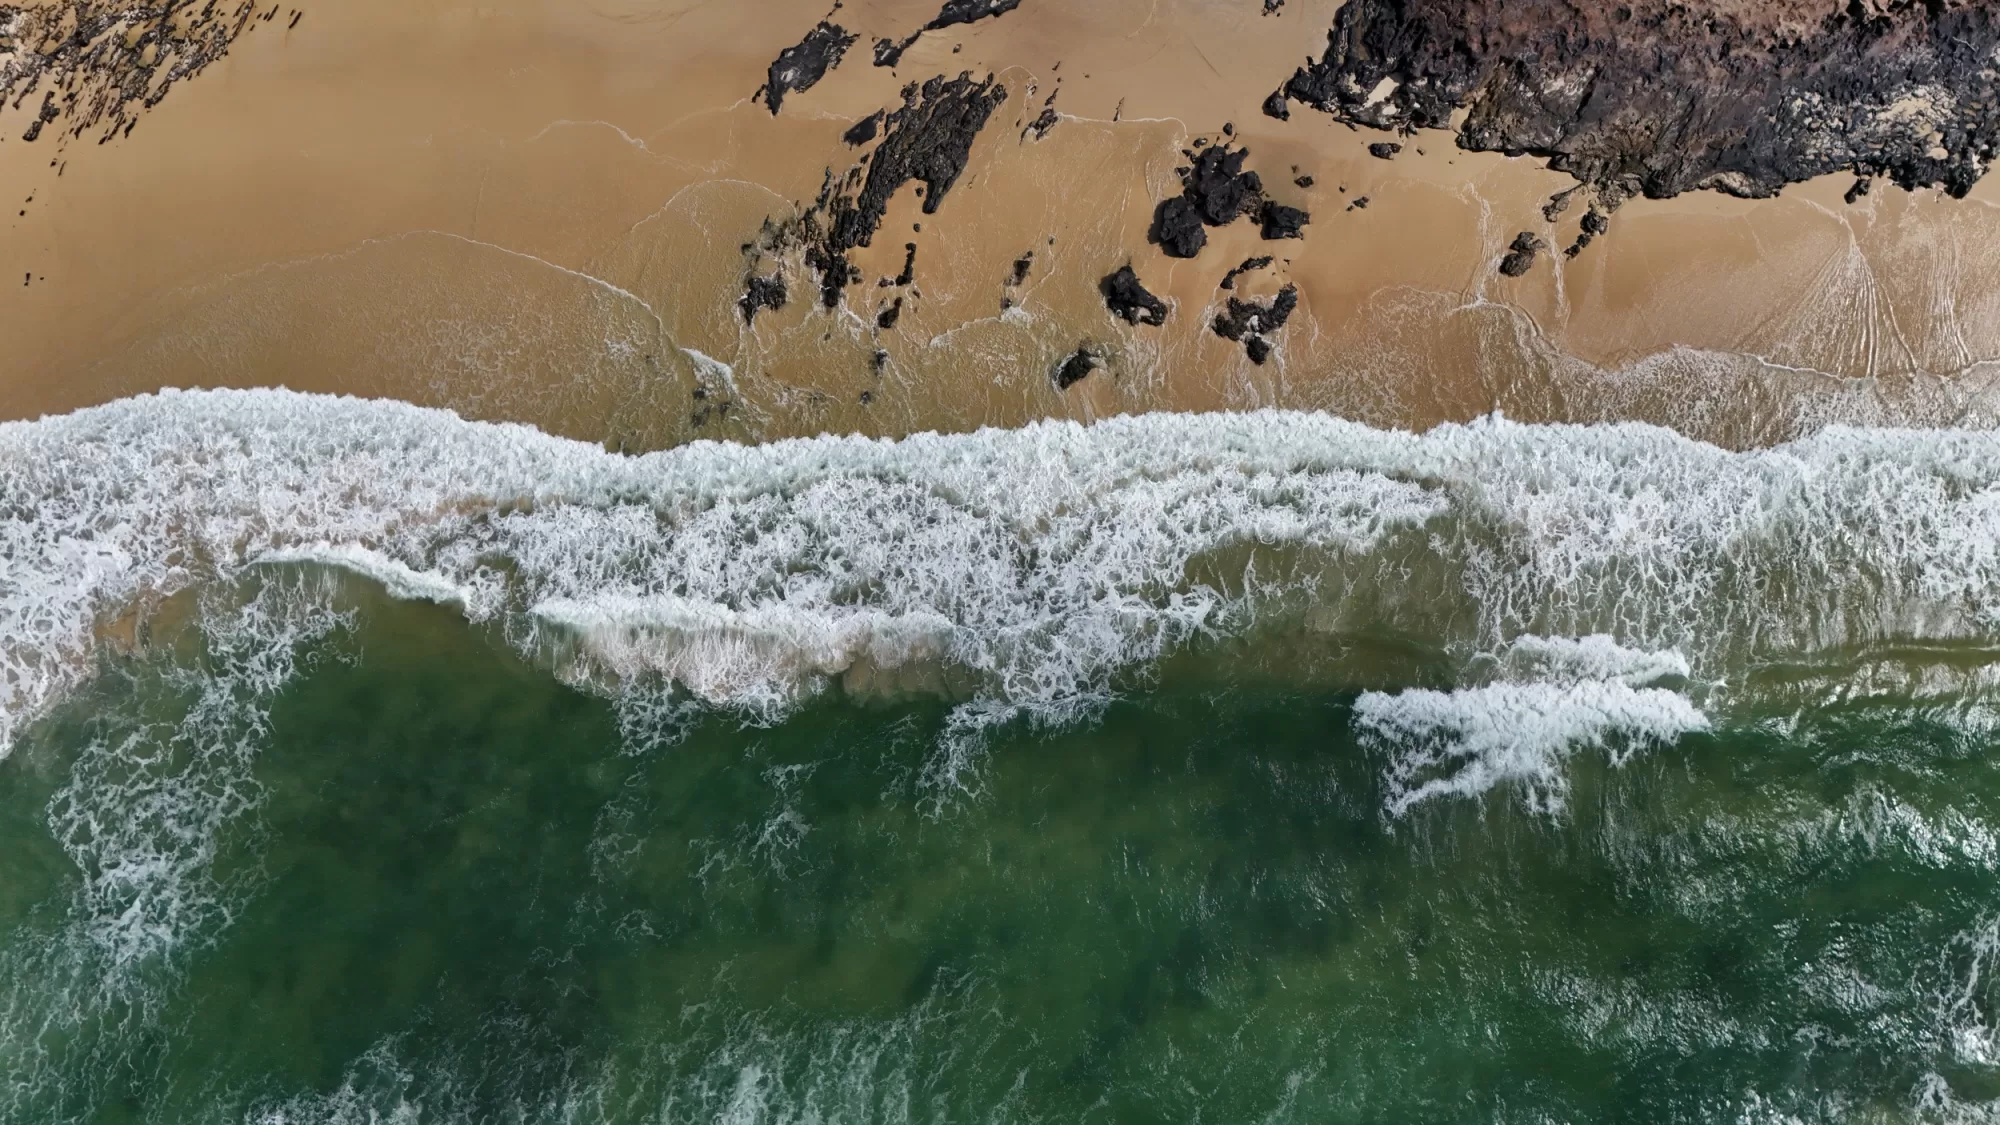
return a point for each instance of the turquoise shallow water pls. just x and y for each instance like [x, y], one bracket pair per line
[362, 764]
[443, 886]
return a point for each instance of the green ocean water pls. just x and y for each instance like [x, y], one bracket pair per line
[394, 871]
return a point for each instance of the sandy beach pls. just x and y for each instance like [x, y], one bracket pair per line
[539, 211]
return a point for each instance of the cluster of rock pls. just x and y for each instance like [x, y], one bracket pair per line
[1216, 191]
[98, 63]
[1660, 97]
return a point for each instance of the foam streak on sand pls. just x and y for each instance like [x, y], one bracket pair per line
[1035, 564]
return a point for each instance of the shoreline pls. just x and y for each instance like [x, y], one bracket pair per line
[534, 214]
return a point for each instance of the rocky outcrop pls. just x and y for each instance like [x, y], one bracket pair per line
[1279, 221]
[761, 293]
[1076, 367]
[1521, 254]
[801, 67]
[928, 140]
[1245, 266]
[1660, 97]
[1127, 298]
[99, 63]
[1215, 191]
[889, 52]
[864, 130]
[1250, 322]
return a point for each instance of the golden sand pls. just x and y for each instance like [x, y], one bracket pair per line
[533, 210]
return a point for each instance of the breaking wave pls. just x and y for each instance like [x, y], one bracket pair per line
[1024, 571]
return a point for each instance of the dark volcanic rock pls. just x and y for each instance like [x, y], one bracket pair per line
[889, 52]
[1125, 297]
[928, 140]
[887, 318]
[101, 63]
[1247, 265]
[1855, 191]
[1384, 150]
[966, 11]
[1177, 228]
[1521, 254]
[1248, 318]
[801, 67]
[1659, 97]
[1258, 349]
[864, 130]
[1022, 265]
[1303, 181]
[1076, 367]
[1219, 187]
[1280, 221]
[762, 293]
[1215, 191]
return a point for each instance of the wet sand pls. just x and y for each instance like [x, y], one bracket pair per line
[535, 210]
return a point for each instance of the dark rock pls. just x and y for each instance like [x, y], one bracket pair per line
[1276, 106]
[966, 11]
[1248, 318]
[1384, 150]
[887, 318]
[1219, 187]
[1280, 221]
[1595, 222]
[1076, 367]
[1215, 191]
[928, 140]
[1247, 265]
[1127, 298]
[889, 52]
[1271, 7]
[1856, 190]
[1258, 349]
[1303, 181]
[1177, 228]
[1660, 97]
[863, 131]
[909, 273]
[762, 293]
[1022, 265]
[880, 361]
[1040, 126]
[801, 67]
[1521, 254]
[1360, 204]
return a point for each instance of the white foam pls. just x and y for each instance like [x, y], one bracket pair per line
[1554, 696]
[1463, 743]
[1038, 563]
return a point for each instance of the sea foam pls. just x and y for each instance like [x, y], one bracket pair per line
[1035, 564]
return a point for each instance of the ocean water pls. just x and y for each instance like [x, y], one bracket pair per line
[364, 764]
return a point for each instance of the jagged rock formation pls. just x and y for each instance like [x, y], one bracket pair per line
[1075, 367]
[98, 63]
[801, 67]
[1245, 266]
[1250, 322]
[889, 52]
[1128, 299]
[1521, 254]
[1659, 97]
[1215, 191]
[928, 140]
[761, 293]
